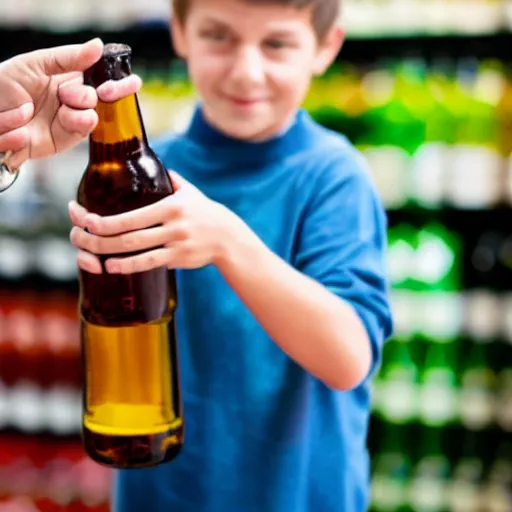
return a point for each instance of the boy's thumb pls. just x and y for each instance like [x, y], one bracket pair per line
[68, 58]
[178, 181]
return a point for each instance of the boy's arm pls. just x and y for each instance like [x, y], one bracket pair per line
[329, 312]
[332, 314]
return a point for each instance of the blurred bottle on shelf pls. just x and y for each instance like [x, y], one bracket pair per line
[63, 16]
[396, 385]
[497, 494]
[59, 330]
[504, 397]
[478, 387]
[428, 491]
[438, 386]
[465, 488]
[433, 134]
[392, 467]
[438, 17]
[475, 163]
[39, 363]
[51, 476]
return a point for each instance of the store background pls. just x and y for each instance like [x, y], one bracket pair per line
[424, 89]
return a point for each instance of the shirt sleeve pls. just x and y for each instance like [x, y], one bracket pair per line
[342, 244]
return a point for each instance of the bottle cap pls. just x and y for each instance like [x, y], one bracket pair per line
[114, 65]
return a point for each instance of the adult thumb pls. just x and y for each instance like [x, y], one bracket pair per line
[67, 58]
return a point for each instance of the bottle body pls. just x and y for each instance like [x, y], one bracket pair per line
[132, 411]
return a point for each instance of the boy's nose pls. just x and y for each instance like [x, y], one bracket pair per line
[247, 68]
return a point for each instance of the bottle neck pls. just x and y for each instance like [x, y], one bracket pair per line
[120, 132]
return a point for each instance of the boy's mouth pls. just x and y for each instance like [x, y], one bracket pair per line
[243, 102]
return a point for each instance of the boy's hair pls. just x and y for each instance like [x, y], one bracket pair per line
[325, 13]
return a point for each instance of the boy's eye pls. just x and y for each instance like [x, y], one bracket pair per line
[275, 45]
[214, 35]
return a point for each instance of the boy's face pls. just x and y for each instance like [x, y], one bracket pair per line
[251, 64]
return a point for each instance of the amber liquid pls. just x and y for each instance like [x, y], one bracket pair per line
[132, 400]
[132, 414]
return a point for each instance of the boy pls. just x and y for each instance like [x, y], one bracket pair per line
[279, 239]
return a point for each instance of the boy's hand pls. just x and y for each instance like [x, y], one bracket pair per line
[44, 106]
[192, 231]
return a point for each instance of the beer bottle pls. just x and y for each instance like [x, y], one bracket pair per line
[132, 413]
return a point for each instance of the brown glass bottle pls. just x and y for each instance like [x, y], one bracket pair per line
[131, 390]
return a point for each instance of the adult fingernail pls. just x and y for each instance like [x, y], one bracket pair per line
[27, 109]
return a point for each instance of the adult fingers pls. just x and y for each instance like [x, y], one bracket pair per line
[78, 96]
[67, 58]
[14, 140]
[114, 90]
[16, 117]
[72, 126]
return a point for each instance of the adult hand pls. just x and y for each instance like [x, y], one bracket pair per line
[45, 108]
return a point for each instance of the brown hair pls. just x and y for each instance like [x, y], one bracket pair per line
[324, 12]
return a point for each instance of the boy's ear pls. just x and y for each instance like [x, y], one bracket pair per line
[178, 38]
[328, 50]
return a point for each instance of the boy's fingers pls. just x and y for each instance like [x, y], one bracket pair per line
[141, 218]
[76, 95]
[177, 180]
[89, 262]
[64, 59]
[77, 214]
[16, 117]
[129, 242]
[114, 90]
[140, 263]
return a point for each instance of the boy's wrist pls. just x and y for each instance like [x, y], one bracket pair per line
[238, 244]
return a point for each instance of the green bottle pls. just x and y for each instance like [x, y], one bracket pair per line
[465, 491]
[496, 490]
[504, 400]
[438, 394]
[400, 256]
[478, 387]
[429, 491]
[396, 394]
[392, 470]
[438, 262]
[475, 177]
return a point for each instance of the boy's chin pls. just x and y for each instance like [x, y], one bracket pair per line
[247, 131]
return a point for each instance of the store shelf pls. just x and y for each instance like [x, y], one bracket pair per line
[151, 43]
[429, 104]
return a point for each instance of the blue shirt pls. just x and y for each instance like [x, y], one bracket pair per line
[262, 434]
